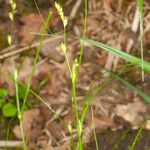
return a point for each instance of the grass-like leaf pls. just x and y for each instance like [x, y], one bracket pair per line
[127, 57]
[145, 97]
[121, 138]
[132, 147]
[36, 57]
[140, 6]
[89, 101]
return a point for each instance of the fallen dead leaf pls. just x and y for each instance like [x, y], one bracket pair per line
[32, 23]
[7, 69]
[30, 125]
[106, 4]
[131, 112]
[53, 86]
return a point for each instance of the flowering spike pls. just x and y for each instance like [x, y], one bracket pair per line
[74, 69]
[11, 16]
[61, 13]
[63, 47]
[9, 39]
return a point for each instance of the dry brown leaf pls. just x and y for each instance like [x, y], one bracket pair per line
[92, 24]
[131, 112]
[52, 87]
[7, 69]
[101, 122]
[106, 4]
[29, 117]
[25, 70]
[32, 23]
[51, 49]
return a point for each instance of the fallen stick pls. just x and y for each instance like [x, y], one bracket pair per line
[15, 52]
[11, 143]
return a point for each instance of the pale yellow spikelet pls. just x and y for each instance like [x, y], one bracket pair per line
[61, 13]
[9, 39]
[13, 4]
[11, 16]
[79, 128]
[70, 127]
[63, 47]
[74, 69]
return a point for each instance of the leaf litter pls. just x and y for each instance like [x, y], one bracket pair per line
[114, 101]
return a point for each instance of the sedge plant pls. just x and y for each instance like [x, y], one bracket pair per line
[73, 74]
[20, 109]
[13, 6]
[74, 70]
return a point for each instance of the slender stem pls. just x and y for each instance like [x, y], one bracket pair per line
[87, 104]
[8, 130]
[75, 100]
[36, 59]
[16, 79]
[18, 109]
[84, 32]
[93, 125]
[65, 37]
[79, 127]
[66, 57]
[138, 136]
[140, 5]
[79, 124]
[68, 64]
[41, 17]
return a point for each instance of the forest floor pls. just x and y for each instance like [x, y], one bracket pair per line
[119, 112]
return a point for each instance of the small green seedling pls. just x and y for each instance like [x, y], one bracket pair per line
[8, 106]
[9, 110]
[3, 92]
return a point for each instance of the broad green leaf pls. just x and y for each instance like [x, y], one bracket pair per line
[3, 92]
[9, 110]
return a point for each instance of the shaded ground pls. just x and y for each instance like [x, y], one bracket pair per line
[108, 139]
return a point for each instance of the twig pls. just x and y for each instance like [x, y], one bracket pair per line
[11, 143]
[12, 53]
[75, 9]
[7, 49]
[134, 28]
